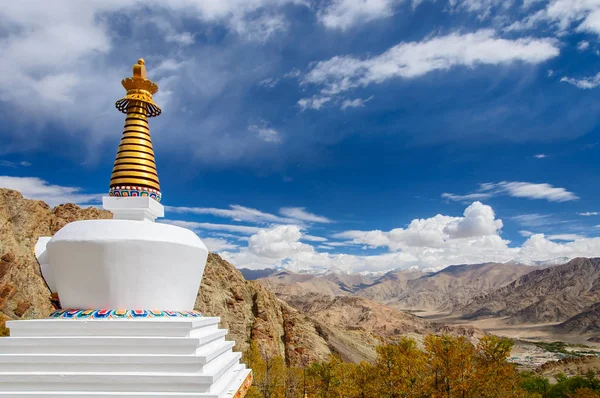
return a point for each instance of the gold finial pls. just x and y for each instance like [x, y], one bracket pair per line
[134, 172]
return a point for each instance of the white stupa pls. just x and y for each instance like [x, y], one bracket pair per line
[127, 288]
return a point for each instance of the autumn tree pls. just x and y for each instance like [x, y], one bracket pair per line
[364, 381]
[269, 373]
[452, 365]
[494, 375]
[402, 369]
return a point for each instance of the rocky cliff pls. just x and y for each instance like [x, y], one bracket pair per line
[23, 292]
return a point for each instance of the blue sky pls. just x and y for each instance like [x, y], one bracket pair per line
[361, 134]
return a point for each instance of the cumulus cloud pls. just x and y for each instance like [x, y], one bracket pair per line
[415, 59]
[278, 243]
[518, 190]
[36, 188]
[344, 14]
[435, 232]
[430, 243]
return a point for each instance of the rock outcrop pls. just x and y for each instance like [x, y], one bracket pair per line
[252, 312]
[23, 292]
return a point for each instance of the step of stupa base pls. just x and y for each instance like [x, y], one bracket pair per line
[120, 362]
[109, 345]
[225, 388]
[120, 381]
[92, 358]
[152, 327]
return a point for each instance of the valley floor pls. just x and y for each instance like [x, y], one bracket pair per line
[529, 350]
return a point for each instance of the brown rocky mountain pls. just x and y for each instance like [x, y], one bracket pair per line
[547, 295]
[252, 312]
[354, 326]
[286, 283]
[445, 290]
[586, 323]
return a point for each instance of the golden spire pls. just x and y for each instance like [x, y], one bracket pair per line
[134, 173]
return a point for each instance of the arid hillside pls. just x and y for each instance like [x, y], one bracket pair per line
[553, 294]
[444, 290]
[354, 326]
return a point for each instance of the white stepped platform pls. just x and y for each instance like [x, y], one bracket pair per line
[171, 357]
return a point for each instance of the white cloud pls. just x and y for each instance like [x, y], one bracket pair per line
[589, 213]
[300, 213]
[583, 45]
[525, 234]
[585, 83]
[518, 190]
[483, 8]
[315, 102]
[313, 238]
[242, 229]
[267, 134]
[466, 198]
[478, 220]
[291, 215]
[355, 103]
[565, 237]
[278, 243]
[235, 212]
[414, 59]
[436, 232]
[216, 245]
[535, 220]
[430, 243]
[343, 14]
[55, 54]
[562, 15]
[532, 191]
[53, 195]
[539, 247]
[540, 156]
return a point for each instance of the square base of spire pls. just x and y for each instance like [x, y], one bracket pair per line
[140, 208]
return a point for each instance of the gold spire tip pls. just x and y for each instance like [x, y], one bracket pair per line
[134, 172]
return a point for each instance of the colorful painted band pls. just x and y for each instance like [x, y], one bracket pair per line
[126, 191]
[122, 314]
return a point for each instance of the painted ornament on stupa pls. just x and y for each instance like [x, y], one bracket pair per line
[134, 172]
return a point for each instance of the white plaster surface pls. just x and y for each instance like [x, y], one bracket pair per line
[125, 264]
[140, 208]
[119, 358]
[42, 258]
